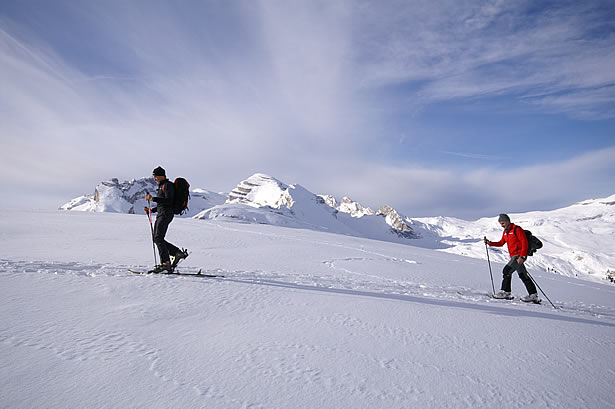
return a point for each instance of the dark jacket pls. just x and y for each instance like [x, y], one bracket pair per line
[164, 198]
[514, 236]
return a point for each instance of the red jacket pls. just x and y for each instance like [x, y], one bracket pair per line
[514, 236]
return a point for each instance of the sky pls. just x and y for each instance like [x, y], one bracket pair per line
[437, 108]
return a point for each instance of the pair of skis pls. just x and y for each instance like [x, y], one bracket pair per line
[173, 271]
[511, 298]
[177, 273]
[537, 301]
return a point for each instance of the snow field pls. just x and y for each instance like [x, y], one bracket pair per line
[301, 319]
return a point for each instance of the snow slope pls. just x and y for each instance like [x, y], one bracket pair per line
[579, 240]
[302, 319]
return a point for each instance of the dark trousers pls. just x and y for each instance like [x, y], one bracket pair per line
[160, 230]
[508, 271]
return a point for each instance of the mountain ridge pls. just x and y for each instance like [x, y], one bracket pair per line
[578, 238]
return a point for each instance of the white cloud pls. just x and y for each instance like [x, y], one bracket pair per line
[419, 191]
[196, 109]
[219, 93]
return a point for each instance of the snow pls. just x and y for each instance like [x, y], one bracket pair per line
[302, 319]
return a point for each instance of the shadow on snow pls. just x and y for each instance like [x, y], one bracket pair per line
[491, 309]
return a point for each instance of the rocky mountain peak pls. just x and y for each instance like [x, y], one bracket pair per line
[394, 220]
[129, 197]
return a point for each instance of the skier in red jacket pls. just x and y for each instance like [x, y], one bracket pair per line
[514, 237]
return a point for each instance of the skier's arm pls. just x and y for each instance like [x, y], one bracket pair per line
[149, 197]
[496, 243]
[153, 210]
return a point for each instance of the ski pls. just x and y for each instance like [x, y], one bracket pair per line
[482, 294]
[467, 294]
[178, 273]
[511, 298]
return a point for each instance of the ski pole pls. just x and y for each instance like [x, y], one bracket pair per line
[490, 273]
[543, 293]
[149, 215]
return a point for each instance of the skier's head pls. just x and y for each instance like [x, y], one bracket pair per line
[159, 174]
[159, 171]
[504, 220]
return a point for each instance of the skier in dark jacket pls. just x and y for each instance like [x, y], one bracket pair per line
[514, 237]
[164, 200]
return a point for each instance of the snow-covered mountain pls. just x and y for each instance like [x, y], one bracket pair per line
[578, 240]
[129, 197]
[264, 199]
[259, 199]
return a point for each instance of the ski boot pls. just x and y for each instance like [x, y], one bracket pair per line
[165, 267]
[531, 298]
[503, 295]
[179, 256]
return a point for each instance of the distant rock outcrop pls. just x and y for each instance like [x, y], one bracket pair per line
[129, 197]
[347, 205]
[397, 223]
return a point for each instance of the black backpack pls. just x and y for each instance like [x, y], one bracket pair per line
[533, 242]
[182, 195]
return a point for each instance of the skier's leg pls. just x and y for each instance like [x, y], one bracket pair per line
[160, 230]
[525, 277]
[507, 277]
[172, 250]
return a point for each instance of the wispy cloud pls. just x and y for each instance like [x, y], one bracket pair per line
[457, 50]
[277, 98]
[474, 156]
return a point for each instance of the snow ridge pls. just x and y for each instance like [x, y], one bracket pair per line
[129, 197]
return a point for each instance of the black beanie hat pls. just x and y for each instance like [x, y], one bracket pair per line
[504, 218]
[159, 172]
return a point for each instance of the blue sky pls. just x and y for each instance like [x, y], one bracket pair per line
[453, 108]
